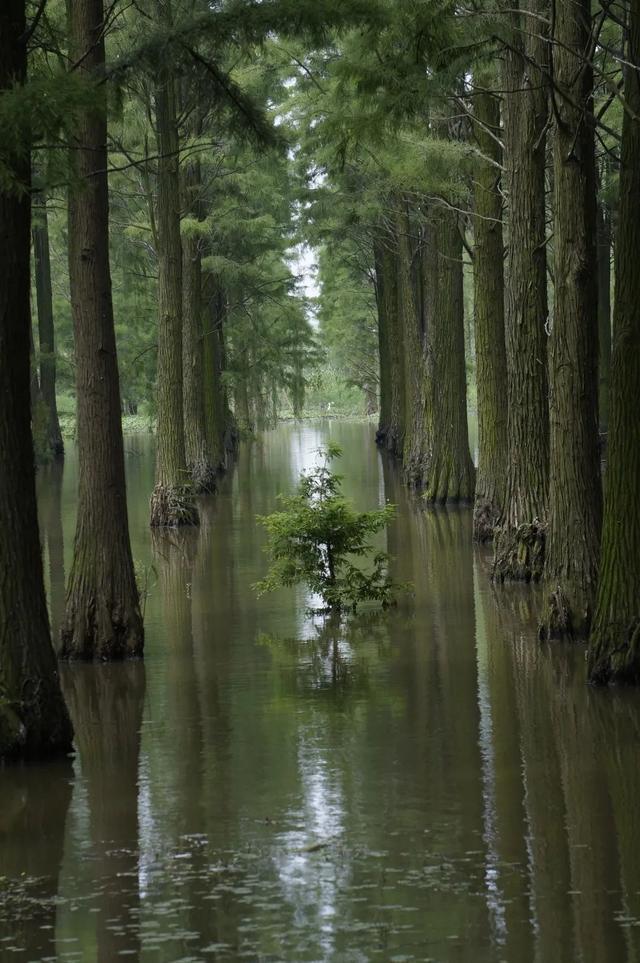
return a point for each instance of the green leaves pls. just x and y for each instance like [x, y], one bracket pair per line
[315, 536]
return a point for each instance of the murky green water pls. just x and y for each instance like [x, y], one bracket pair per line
[431, 785]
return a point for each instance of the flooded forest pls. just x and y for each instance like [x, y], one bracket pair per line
[319, 481]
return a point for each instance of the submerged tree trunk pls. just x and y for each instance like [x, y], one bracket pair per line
[46, 335]
[575, 493]
[199, 463]
[604, 312]
[614, 651]
[520, 536]
[394, 438]
[491, 356]
[102, 619]
[172, 501]
[33, 716]
[451, 474]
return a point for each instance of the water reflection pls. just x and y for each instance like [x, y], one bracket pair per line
[429, 784]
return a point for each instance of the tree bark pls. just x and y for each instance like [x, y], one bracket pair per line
[491, 356]
[384, 346]
[199, 463]
[33, 715]
[172, 501]
[450, 474]
[215, 403]
[102, 618]
[575, 492]
[614, 651]
[46, 333]
[395, 435]
[604, 312]
[520, 536]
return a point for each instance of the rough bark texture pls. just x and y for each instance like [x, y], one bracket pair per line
[604, 312]
[201, 468]
[33, 716]
[46, 334]
[172, 501]
[102, 619]
[614, 651]
[451, 474]
[491, 355]
[520, 536]
[575, 493]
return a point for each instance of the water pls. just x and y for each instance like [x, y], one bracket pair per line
[430, 785]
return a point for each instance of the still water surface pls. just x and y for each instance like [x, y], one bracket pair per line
[428, 785]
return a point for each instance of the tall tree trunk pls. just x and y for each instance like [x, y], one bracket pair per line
[172, 501]
[491, 355]
[451, 474]
[519, 548]
[102, 619]
[199, 463]
[33, 716]
[413, 354]
[394, 438]
[604, 312]
[46, 335]
[614, 651]
[575, 492]
[215, 404]
[384, 346]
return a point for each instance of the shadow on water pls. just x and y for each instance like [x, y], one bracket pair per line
[431, 784]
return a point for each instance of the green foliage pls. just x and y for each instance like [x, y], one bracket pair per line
[314, 537]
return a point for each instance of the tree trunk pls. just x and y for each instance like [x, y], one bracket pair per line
[491, 356]
[384, 346]
[395, 435]
[33, 716]
[520, 537]
[604, 312]
[451, 474]
[413, 374]
[46, 335]
[575, 493]
[172, 501]
[199, 463]
[614, 651]
[213, 359]
[102, 618]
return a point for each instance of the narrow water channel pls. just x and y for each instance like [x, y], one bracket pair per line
[430, 785]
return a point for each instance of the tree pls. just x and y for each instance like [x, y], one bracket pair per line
[102, 619]
[519, 544]
[575, 494]
[488, 276]
[614, 649]
[312, 538]
[46, 333]
[33, 715]
[172, 501]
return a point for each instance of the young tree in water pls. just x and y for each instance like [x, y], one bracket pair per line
[575, 494]
[103, 619]
[614, 652]
[33, 716]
